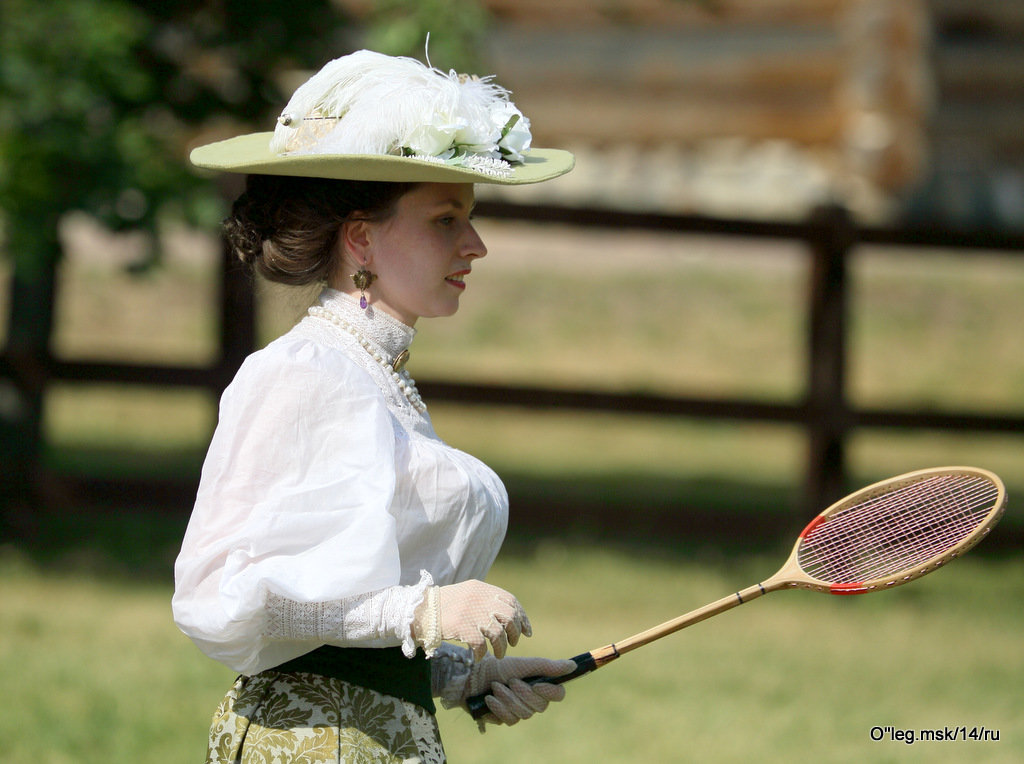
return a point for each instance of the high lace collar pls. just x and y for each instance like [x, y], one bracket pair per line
[383, 330]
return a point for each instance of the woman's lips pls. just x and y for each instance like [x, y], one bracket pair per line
[457, 279]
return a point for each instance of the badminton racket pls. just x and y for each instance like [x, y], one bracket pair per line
[879, 537]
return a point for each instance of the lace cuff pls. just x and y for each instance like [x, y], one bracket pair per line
[450, 669]
[375, 619]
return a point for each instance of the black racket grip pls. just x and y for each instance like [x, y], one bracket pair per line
[585, 663]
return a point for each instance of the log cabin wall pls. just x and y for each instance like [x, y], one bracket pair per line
[976, 127]
[768, 108]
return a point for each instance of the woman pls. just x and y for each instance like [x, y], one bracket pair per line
[335, 553]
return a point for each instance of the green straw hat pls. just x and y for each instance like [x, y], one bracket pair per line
[367, 116]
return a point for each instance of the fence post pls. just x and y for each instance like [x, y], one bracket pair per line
[237, 302]
[35, 250]
[832, 237]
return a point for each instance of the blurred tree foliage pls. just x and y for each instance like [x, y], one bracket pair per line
[456, 29]
[99, 98]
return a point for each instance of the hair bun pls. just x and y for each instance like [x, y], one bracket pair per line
[244, 238]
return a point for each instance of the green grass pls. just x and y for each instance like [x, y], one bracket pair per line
[94, 671]
[937, 331]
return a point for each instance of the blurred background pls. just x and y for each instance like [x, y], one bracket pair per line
[788, 263]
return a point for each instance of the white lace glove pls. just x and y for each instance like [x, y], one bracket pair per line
[471, 612]
[456, 677]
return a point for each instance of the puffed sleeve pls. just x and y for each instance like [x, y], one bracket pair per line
[293, 500]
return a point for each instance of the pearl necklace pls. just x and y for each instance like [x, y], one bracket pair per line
[395, 367]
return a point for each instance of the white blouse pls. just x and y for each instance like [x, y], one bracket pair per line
[323, 482]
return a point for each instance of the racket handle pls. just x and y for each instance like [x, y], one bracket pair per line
[585, 663]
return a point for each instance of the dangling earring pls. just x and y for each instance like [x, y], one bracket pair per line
[362, 279]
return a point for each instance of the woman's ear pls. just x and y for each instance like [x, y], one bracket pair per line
[355, 237]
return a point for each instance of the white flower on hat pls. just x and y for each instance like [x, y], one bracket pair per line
[434, 139]
[478, 137]
[515, 137]
[369, 103]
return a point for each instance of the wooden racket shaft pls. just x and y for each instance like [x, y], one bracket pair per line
[882, 536]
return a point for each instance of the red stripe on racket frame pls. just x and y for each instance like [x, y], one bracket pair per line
[854, 588]
[811, 526]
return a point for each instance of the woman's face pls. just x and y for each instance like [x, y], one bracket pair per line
[421, 255]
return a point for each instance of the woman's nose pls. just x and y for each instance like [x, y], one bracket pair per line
[474, 246]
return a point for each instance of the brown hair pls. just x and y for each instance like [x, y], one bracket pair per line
[285, 228]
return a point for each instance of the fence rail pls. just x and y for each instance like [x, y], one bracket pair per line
[823, 412]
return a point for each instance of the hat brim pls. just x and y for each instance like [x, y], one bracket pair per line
[251, 154]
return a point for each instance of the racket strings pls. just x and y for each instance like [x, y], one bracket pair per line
[897, 530]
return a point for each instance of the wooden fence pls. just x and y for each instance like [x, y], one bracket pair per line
[824, 413]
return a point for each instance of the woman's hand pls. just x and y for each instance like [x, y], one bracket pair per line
[510, 699]
[471, 612]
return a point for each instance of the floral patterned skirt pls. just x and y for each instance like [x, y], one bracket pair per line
[275, 718]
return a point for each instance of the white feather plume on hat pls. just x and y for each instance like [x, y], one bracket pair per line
[371, 117]
[370, 103]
